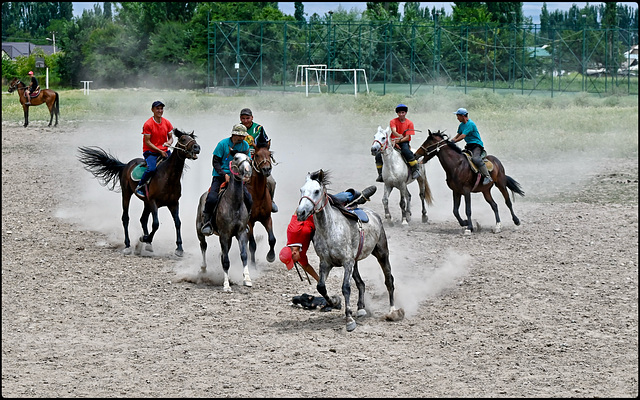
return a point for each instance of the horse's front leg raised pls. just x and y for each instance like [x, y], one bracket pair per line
[176, 220]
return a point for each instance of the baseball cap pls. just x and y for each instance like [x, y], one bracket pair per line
[285, 257]
[30, 72]
[239, 129]
[246, 111]
[157, 103]
[461, 111]
[402, 107]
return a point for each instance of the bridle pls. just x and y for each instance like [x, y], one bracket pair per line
[183, 147]
[315, 203]
[16, 86]
[235, 169]
[257, 166]
[438, 145]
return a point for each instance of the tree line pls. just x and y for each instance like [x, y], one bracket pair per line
[164, 44]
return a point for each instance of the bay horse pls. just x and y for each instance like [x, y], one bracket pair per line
[232, 218]
[262, 164]
[46, 96]
[463, 181]
[340, 241]
[163, 188]
[395, 174]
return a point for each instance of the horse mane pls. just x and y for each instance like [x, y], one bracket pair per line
[179, 133]
[321, 176]
[445, 137]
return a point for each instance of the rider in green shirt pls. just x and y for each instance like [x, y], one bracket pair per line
[253, 130]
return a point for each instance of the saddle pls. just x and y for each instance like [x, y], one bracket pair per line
[138, 170]
[469, 156]
[35, 94]
[355, 213]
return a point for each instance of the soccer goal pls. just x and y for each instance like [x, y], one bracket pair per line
[344, 70]
[302, 77]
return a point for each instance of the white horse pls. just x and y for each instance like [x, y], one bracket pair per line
[341, 241]
[232, 218]
[396, 175]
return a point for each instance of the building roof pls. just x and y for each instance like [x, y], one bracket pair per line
[15, 49]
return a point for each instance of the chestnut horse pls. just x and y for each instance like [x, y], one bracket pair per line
[262, 163]
[46, 96]
[463, 181]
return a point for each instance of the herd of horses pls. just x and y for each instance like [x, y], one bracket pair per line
[341, 239]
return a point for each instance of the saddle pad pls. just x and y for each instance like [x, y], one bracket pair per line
[35, 94]
[488, 163]
[137, 172]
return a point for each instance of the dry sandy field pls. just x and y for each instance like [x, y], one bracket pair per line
[545, 309]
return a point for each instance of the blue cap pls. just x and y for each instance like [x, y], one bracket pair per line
[402, 107]
[461, 111]
[157, 103]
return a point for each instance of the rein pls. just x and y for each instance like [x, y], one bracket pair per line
[440, 144]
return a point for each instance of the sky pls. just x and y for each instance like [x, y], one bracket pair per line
[530, 9]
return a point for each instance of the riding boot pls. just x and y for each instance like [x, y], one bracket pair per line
[485, 172]
[140, 188]
[207, 228]
[415, 173]
[361, 198]
[274, 207]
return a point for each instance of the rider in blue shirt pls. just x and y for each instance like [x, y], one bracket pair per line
[468, 131]
[221, 173]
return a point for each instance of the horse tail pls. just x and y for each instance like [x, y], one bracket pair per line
[105, 167]
[514, 186]
[427, 191]
[56, 105]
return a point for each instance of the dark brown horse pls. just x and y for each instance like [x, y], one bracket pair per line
[163, 190]
[463, 181]
[262, 163]
[46, 96]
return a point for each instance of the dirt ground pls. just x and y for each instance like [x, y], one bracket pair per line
[545, 309]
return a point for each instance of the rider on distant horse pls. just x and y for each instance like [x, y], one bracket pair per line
[32, 88]
[221, 173]
[401, 132]
[468, 131]
[254, 139]
[158, 136]
[300, 233]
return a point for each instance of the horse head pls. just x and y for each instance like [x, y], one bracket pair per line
[313, 194]
[187, 144]
[14, 85]
[240, 166]
[432, 144]
[261, 161]
[380, 140]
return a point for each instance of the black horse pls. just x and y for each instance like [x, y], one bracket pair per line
[164, 188]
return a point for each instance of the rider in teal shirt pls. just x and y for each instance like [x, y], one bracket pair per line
[468, 131]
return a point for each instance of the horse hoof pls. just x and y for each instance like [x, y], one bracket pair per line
[226, 288]
[467, 232]
[148, 247]
[425, 219]
[351, 324]
[271, 256]
[404, 222]
[179, 252]
[126, 251]
[497, 229]
[395, 315]
[247, 283]
[336, 302]
[361, 313]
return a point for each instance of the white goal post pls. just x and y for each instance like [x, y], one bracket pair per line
[301, 73]
[355, 77]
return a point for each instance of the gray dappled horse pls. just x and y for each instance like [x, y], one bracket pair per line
[342, 242]
[231, 217]
[395, 173]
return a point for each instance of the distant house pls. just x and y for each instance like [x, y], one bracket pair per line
[11, 50]
[538, 51]
[630, 63]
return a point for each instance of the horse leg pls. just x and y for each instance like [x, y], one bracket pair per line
[333, 301]
[242, 243]
[203, 251]
[271, 255]
[225, 245]
[456, 208]
[407, 196]
[403, 207]
[421, 185]
[25, 108]
[494, 207]
[176, 220]
[385, 202]
[381, 253]
[507, 200]
[467, 205]
[361, 288]
[252, 244]
[50, 105]
[346, 293]
[126, 198]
